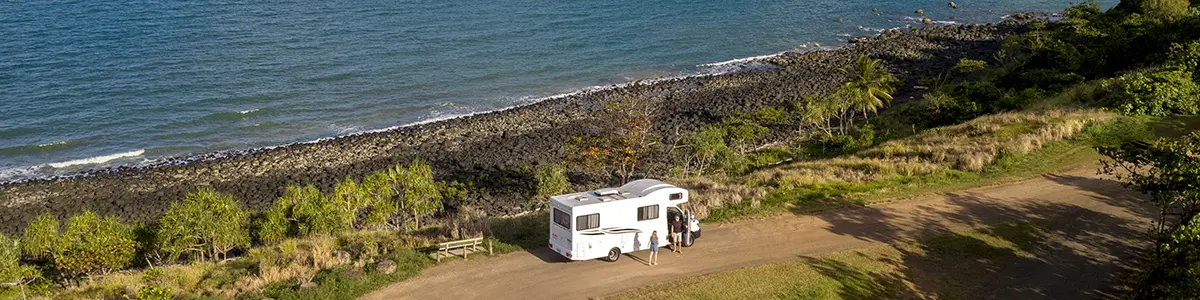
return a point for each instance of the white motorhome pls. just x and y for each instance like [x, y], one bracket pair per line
[607, 222]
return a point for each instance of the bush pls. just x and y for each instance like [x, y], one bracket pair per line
[206, 225]
[40, 239]
[1156, 94]
[551, 180]
[1177, 266]
[272, 227]
[970, 65]
[1185, 58]
[314, 212]
[10, 258]
[741, 133]
[1165, 9]
[151, 292]
[91, 245]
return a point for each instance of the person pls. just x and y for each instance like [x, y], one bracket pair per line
[654, 248]
[676, 235]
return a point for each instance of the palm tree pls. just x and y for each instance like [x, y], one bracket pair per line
[870, 87]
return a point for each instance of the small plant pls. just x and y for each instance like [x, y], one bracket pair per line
[970, 65]
[151, 292]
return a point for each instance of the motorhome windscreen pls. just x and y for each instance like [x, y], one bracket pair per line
[562, 219]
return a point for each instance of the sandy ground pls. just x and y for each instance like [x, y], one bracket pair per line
[1098, 234]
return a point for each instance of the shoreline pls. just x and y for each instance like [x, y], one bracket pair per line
[496, 143]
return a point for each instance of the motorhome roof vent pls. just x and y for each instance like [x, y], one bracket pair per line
[606, 192]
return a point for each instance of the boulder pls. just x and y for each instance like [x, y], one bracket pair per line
[386, 267]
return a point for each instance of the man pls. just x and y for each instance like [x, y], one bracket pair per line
[676, 235]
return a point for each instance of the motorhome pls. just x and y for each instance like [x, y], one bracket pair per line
[608, 222]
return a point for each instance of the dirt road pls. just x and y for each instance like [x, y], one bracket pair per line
[1099, 228]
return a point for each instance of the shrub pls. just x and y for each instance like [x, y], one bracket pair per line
[313, 212]
[10, 258]
[206, 225]
[741, 133]
[11, 269]
[1176, 274]
[551, 180]
[772, 115]
[1186, 58]
[92, 245]
[1165, 9]
[40, 239]
[151, 292]
[273, 226]
[1156, 94]
[970, 65]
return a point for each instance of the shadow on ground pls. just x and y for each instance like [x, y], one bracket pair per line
[1040, 250]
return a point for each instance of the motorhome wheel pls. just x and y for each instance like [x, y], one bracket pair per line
[614, 254]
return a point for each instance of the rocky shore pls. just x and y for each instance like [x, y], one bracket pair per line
[491, 146]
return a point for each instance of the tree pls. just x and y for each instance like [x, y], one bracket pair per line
[206, 225]
[381, 190]
[273, 227]
[420, 193]
[820, 111]
[312, 212]
[869, 86]
[40, 239]
[91, 245]
[1168, 10]
[551, 180]
[625, 140]
[12, 272]
[1168, 170]
[350, 197]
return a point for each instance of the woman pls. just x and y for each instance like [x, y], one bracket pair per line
[654, 248]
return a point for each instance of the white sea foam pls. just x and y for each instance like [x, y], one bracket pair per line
[96, 160]
[247, 111]
[53, 144]
[741, 60]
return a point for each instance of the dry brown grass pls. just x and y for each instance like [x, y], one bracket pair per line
[294, 259]
[707, 193]
[973, 145]
[970, 146]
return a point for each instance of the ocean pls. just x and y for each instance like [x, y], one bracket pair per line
[87, 84]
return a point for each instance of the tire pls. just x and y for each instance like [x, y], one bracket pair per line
[613, 255]
[688, 240]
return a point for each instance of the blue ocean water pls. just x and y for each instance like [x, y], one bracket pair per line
[85, 83]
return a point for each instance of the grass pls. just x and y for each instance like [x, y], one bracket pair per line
[986, 151]
[950, 265]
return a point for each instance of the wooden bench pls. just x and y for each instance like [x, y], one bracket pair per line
[460, 247]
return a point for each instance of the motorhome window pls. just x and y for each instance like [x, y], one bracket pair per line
[648, 212]
[676, 196]
[562, 218]
[586, 222]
